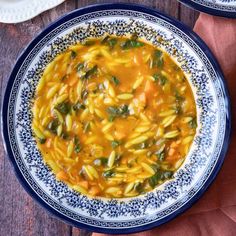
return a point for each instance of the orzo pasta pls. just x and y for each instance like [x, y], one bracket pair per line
[114, 117]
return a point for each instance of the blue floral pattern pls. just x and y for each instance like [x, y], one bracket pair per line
[172, 194]
[224, 5]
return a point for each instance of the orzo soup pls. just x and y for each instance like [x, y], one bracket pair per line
[114, 117]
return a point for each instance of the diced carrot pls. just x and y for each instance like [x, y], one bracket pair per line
[143, 99]
[73, 81]
[172, 159]
[149, 87]
[119, 134]
[171, 151]
[150, 114]
[174, 144]
[48, 143]
[122, 88]
[94, 191]
[155, 94]
[178, 142]
[61, 175]
[84, 184]
[124, 161]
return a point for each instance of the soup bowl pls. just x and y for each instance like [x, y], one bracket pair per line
[189, 182]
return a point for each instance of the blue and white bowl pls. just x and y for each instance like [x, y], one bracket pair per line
[206, 154]
[225, 8]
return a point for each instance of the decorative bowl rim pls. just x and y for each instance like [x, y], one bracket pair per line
[94, 8]
[211, 10]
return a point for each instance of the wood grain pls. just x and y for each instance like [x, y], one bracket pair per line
[19, 214]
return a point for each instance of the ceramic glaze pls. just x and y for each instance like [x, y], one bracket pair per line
[225, 8]
[202, 162]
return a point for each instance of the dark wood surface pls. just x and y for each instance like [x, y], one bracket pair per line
[19, 214]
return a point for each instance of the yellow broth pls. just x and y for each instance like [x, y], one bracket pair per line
[114, 117]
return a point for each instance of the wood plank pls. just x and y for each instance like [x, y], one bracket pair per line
[80, 232]
[168, 6]
[187, 15]
[55, 13]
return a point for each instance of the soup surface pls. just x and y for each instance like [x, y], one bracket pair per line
[114, 117]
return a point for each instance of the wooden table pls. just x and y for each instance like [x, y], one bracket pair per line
[19, 214]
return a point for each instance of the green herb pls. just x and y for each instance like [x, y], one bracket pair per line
[141, 145]
[88, 43]
[115, 80]
[73, 54]
[64, 77]
[121, 111]
[134, 36]
[101, 86]
[113, 110]
[78, 106]
[115, 144]
[77, 148]
[178, 97]
[86, 127]
[167, 174]
[84, 94]
[42, 140]
[124, 110]
[76, 140]
[100, 161]
[138, 187]
[64, 135]
[105, 39]
[161, 175]
[108, 173]
[80, 66]
[52, 126]
[111, 118]
[193, 123]
[157, 60]
[153, 181]
[151, 142]
[179, 101]
[111, 42]
[103, 160]
[117, 158]
[131, 43]
[156, 77]
[82, 174]
[63, 107]
[178, 108]
[90, 72]
[160, 155]
[155, 167]
[175, 67]
[161, 79]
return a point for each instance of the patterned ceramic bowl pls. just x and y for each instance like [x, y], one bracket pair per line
[206, 154]
[225, 8]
